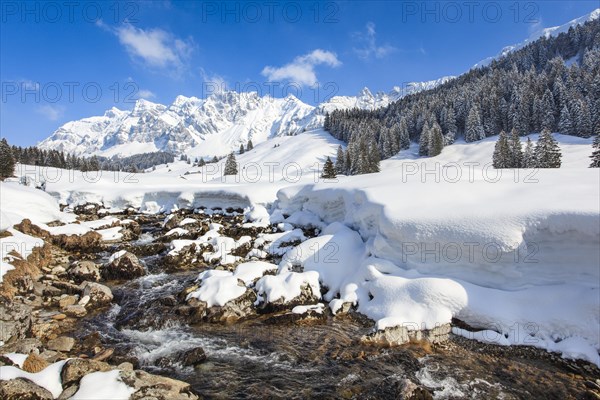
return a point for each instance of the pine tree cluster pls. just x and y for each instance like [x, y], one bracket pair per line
[509, 152]
[60, 159]
[529, 90]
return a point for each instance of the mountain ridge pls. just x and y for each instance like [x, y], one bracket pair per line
[215, 125]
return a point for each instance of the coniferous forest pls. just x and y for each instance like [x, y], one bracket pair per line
[552, 84]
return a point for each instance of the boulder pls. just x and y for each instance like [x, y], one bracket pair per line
[23, 389]
[172, 221]
[123, 265]
[192, 357]
[88, 242]
[232, 311]
[76, 311]
[15, 320]
[61, 343]
[99, 294]
[67, 300]
[76, 368]
[148, 386]
[399, 335]
[84, 271]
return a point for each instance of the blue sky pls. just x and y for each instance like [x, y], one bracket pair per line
[59, 62]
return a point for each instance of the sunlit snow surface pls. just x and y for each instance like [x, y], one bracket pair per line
[427, 239]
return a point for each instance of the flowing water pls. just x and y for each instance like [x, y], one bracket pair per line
[268, 357]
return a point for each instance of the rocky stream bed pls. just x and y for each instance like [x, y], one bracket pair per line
[129, 304]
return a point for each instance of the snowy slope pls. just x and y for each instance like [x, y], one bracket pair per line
[546, 32]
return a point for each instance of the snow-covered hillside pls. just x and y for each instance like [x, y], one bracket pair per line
[546, 32]
[511, 252]
[208, 127]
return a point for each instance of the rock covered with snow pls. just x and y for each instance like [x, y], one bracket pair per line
[123, 265]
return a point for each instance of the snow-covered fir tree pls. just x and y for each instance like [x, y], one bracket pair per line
[529, 155]
[474, 128]
[201, 163]
[547, 152]
[565, 125]
[7, 161]
[404, 139]
[340, 161]
[242, 149]
[436, 140]
[230, 165]
[214, 160]
[328, 170]
[516, 150]
[424, 141]
[249, 145]
[596, 153]
[501, 156]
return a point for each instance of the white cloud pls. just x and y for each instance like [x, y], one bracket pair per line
[51, 112]
[145, 94]
[368, 44]
[302, 69]
[212, 83]
[155, 48]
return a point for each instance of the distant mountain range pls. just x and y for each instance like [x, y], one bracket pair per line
[208, 127]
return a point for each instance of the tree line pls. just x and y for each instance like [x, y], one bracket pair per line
[551, 84]
[59, 159]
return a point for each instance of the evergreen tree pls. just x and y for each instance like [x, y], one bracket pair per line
[328, 170]
[547, 152]
[529, 155]
[404, 137]
[215, 160]
[340, 161]
[516, 151]
[249, 145]
[7, 161]
[474, 128]
[565, 125]
[582, 119]
[436, 140]
[548, 111]
[201, 162]
[242, 149]
[374, 157]
[230, 165]
[94, 164]
[596, 153]
[348, 163]
[424, 141]
[501, 156]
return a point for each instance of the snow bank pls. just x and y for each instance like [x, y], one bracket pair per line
[48, 378]
[103, 385]
[507, 251]
[20, 202]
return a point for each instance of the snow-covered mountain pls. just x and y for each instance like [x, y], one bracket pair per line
[223, 120]
[208, 127]
[367, 101]
[546, 32]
